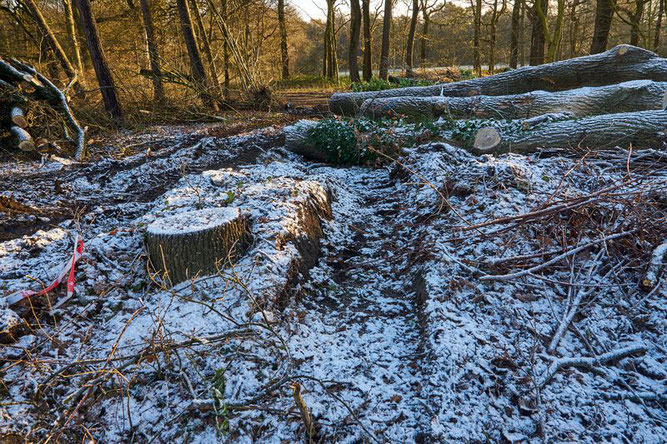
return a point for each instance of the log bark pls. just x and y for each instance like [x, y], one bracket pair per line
[637, 95]
[185, 245]
[24, 139]
[642, 130]
[620, 64]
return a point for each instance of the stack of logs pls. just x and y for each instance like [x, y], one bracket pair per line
[22, 87]
[613, 98]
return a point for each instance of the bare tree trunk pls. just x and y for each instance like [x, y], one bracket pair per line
[355, 29]
[284, 55]
[424, 37]
[409, 52]
[537, 39]
[368, 59]
[386, 40]
[604, 11]
[51, 39]
[100, 64]
[72, 34]
[225, 50]
[477, 24]
[635, 20]
[330, 65]
[206, 46]
[514, 40]
[658, 25]
[196, 65]
[153, 52]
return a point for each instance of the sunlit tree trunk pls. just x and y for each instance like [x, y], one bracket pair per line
[196, 65]
[206, 45]
[635, 20]
[153, 52]
[74, 39]
[284, 55]
[477, 25]
[424, 37]
[225, 50]
[97, 57]
[330, 65]
[52, 41]
[386, 40]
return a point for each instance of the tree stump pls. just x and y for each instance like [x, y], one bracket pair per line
[185, 245]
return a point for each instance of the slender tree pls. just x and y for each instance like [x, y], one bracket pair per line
[368, 59]
[604, 11]
[284, 54]
[153, 51]
[355, 29]
[516, 30]
[330, 65]
[386, 39]
[409, 49]
[658, 25]
[74, 39]
[428, 9]
[476, 6]
[636, 20]
[52, 41]
[537, 38]
[100, 64]
[196, 65]
[206, 45]
[493, 25]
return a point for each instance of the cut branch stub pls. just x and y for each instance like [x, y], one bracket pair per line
[185, 245]
[487, 139]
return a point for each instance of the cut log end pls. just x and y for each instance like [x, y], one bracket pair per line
[185, 245]
[487, 139]
[24, 139]
[18, 117]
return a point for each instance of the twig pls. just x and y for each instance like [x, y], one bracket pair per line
[591, 363]
[518, 274]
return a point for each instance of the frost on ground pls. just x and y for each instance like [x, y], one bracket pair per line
[444, 298]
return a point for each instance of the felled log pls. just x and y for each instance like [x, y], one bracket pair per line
[638, 95]
[24, 139]
[296, 141]
[18, 117]
[642, 129]
[619, 64]
[185, 245]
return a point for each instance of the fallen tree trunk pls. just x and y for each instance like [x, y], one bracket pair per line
[620, 64]
[297, 141]
[638, 95]
[641, 129]
[185, 245]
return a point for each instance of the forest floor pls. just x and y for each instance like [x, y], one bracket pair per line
[432, 310]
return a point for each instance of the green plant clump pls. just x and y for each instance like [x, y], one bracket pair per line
[356, 141]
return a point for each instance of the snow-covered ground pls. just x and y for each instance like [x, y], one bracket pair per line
[412, 325]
